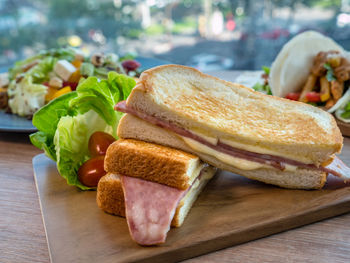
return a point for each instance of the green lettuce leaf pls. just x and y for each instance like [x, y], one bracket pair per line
[66, 124]
[19, 65]
[71, 143]
[44, 142]
[46, 120]
[262, 88]
[52, 54]
[40, 72]
[87, 69]
[266, 70]
[330, 73]
[103, 95]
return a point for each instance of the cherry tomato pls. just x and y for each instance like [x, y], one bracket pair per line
[99, 142]
[293, 96]
[91, 171]
[313, 96]
[72, 85]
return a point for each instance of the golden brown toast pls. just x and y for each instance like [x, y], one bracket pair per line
[231, 112]
[110, 196]
[133, 127]
[153, 162]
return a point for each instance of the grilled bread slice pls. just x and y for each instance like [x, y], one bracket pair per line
[300, 178]
[232, 113]
[110, 196]
[153, 162]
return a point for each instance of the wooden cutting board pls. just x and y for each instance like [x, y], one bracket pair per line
[231, 210]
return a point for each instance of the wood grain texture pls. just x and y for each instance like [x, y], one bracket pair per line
[22, 236]
[231, 210]
[322, 242]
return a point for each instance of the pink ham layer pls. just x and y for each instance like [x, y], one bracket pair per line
[337, 167]
[150, 208]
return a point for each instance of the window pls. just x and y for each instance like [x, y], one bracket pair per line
[208, 34]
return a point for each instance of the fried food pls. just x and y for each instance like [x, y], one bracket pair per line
[309, 86]
[325, 89]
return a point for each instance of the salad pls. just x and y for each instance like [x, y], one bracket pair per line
[37, 80]
[76, 128]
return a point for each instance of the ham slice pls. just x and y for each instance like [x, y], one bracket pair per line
[274, 161]
[338, 168]
[149, 208]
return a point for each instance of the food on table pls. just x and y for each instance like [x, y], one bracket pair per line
[325, 84]
[234, 128]
[67, 124]
[153, 186]
[91, 171]
[204, 119]
[264, 87]
[290, 70]
[35, 81]
[312, 68]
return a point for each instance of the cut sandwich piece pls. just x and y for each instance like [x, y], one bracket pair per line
[229, 125]
[296, 178]
[110, 196]
[153, 162]
[214, 110]
[152, 185]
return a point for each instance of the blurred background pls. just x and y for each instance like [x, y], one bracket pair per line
[207, 34]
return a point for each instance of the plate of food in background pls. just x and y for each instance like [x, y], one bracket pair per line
[313, 69]
[32, 83]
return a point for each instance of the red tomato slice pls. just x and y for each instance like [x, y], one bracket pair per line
[313, 96]
[293, 96]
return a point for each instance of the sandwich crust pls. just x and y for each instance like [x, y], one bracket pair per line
[110, 196]
[152, 162]
[229, 111]
[133, 127]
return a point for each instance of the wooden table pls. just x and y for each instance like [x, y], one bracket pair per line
[22, 236]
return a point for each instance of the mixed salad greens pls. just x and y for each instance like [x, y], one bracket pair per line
[264, 87]
[35, 81]
[66, 123]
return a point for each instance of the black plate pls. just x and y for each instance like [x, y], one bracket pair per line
[14, 123]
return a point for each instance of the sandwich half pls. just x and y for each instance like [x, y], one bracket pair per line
[229, 126]
[153, 186]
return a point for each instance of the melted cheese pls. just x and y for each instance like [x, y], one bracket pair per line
[228, 159]
[253, 148]
[207, 173]
[194, 173]
[195, 184]
[290, 168]
[211, 139]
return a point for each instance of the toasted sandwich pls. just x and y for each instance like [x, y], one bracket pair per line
[270, 139]
[153, 186]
